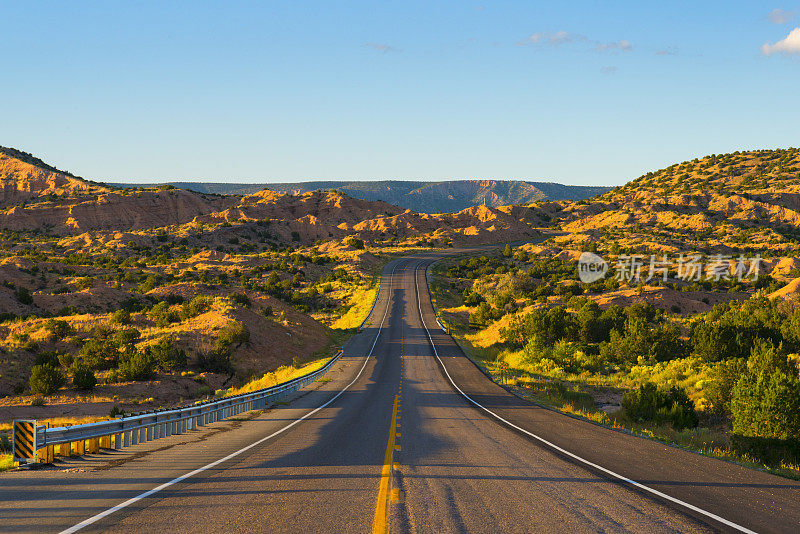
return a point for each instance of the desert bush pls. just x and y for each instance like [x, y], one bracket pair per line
[162, 315]
[198, 305]
[49, 357]
[166, 354]
[215, 362]
[484, 315]
[240, 299]
[648, 403]
[149, 284]
[99, 353]
[57, 329]
[137, 366]
[23, 296]
[472, 298]
[122, 317]
[234, 333]
[66, 359]
[765, 402]
[46, 379]
[725, 374]
[355, 242]
[83, 377]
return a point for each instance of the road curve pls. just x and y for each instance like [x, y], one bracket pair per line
[452, 467]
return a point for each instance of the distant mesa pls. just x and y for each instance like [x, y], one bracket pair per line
[419, 196]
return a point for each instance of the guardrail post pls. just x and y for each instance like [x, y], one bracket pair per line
[45, 455]
[65, 450]
[80, 447]
[118, 441]
[149, 435]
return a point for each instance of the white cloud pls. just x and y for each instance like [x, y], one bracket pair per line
[619, 46]
[780, 16]
[561, 37]
[380, 47]
[551, 38]
[788, 46]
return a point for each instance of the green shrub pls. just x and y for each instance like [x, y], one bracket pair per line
[648, 403]
[46, 379]
[234, 333]
[66, 359]
[198, 305]
[355, 242]
[215, 362]
[49, 357]
[23, 296]
[240, 299]
[137, 366]
[766, 405]
[121, 316]
[83, 376]
[149, 284]
[162, 315]
[166, 354]
[99, 353]
[58, 329]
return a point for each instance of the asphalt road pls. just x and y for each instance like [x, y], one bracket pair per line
[446, 465]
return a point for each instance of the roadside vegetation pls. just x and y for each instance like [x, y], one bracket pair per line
[723, 381]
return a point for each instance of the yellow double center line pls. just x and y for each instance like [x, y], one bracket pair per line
[380, 523]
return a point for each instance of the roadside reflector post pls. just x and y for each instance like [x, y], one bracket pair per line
[24, 437]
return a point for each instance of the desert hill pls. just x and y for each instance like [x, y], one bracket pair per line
[420, 196]
[718, 203]
[41, 198]
[25, 177]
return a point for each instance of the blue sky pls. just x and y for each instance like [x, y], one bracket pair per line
[577, 92]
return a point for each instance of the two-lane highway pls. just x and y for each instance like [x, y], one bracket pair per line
[390, 443]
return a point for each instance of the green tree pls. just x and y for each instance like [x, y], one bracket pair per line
[766, 405]
[83, 377]
[46, 379]
[137, 366]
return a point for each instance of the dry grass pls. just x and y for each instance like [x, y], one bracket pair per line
[6, 462]
[278, 376]
[360, 305]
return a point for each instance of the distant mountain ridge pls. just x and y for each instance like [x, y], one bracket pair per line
[419, 196]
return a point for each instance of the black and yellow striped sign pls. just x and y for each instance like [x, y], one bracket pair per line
[24, 440]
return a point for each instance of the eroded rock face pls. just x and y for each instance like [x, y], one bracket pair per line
[40, 197]
[21, 180]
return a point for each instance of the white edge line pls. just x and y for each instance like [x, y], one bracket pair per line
[120, 506]
[559, 449]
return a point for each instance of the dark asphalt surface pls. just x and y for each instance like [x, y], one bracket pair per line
[457, 469]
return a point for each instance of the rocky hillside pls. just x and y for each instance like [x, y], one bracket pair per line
[425, 197]
[719, 203]
[41, 198]
[26, 178]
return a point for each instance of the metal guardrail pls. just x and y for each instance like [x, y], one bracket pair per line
[134, 429]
